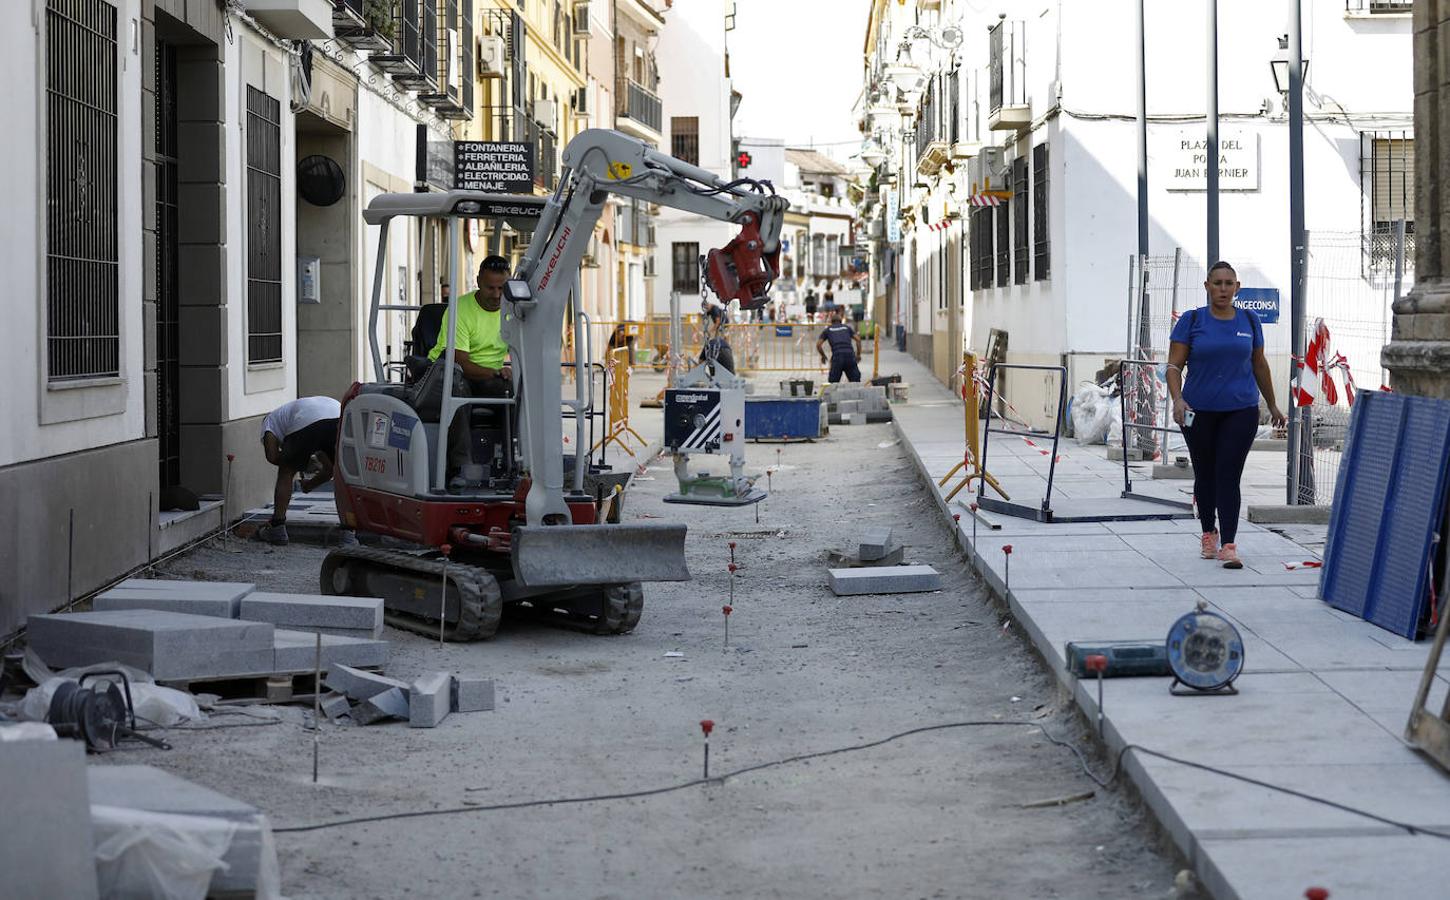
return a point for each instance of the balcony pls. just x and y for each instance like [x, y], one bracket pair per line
[546, 162]
[412, 38]
[1007, 106]
[966, 113]
[425, 79]
[298, 20]
[641, 109]
[931, 138]
[454, 97]
[366, 26]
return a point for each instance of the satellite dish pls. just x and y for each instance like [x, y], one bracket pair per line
[320, 180]
[951, 37]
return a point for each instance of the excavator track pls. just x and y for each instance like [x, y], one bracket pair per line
[601, 609]
[410, 586]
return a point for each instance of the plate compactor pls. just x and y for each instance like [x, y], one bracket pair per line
[512, 531]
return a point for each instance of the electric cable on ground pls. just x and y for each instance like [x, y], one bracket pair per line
[1104, 783]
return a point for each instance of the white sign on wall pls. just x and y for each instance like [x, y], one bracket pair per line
[893, 215]
[1182, 160]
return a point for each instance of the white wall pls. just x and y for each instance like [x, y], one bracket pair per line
[691, 56]
[93, 417]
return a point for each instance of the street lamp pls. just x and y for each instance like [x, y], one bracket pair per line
[1279, 65]
[873, 154]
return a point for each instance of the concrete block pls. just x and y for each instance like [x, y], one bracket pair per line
[1290, 515]
[296, 651]
[471, 693]
[359, 685]
[876, 418]
[150, 789]
[430, 700]
[856, 418]
[347, 616]
[875, 543]
[47, 848]
[1115, 454]
[1272, 445]
[171, 646]
[884, 580]
[1172, 472]
[846, 407]
[334, 705]
[201, 598]
[389, 704]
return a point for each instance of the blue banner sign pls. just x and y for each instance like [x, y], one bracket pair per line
[1263, 302]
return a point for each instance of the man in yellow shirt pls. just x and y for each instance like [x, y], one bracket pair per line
[479, 350]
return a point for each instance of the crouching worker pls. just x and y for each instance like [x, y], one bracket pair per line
[480, 351]
[292, 435]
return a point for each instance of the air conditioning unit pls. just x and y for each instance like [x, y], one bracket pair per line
[545, 112]
[580, 18]
[490, 51]
[987, 166]
[579, 103]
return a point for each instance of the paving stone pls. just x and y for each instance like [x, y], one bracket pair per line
[47, 849]
[876, 543]
[470, 693]
[296, 651]
[359, 685]
[856, 418]
[846, 407]
[884, 580]
[1354, 865]
[150, 789]
[347, 616]
[430, 700]
[389, 704]
[334, 705]
[167, 601]
[171, 646]
[231, 591]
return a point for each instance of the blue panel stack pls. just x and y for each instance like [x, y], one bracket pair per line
[1388, 504]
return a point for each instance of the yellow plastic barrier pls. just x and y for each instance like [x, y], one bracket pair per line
[972, 455]
[617, 368]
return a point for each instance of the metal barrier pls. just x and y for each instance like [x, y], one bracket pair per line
[1006, 507]
[972, 416]
[1131, 426]
[757, 346]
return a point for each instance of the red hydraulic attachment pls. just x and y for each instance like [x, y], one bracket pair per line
[742, 270]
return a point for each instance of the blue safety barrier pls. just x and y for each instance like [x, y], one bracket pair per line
[1389, 503]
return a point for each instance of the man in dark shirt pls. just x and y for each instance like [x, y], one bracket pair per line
[845, 349]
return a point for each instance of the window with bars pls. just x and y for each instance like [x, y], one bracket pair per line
[685, 260]
[980, 237]
[82, 257]
[1041, 251]
[685, 139]
[264, 228]
[1021, 248]
[1387, 177]
[1004, 244]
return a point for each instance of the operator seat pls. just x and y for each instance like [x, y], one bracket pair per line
[425, 335]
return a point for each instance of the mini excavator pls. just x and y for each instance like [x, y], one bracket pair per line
[520, 534]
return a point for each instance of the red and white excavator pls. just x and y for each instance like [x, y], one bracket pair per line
[527, 532]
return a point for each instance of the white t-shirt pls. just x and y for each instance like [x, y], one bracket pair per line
[300, 413]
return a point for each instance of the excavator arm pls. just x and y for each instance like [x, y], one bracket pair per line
[597, 163]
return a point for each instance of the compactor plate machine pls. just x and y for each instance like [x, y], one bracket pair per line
[525, 529]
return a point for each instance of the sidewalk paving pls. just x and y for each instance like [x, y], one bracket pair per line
[1323, 700]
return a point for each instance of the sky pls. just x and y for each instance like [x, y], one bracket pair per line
[797, 65]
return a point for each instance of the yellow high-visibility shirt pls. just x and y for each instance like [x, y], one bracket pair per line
[478, 334]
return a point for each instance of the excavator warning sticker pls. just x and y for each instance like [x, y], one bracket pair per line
[400, 435]
[378, 431]
[619, 171]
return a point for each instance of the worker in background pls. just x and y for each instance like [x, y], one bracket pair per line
[293, 435]
[811, 304]
[845, 348]
[479, 350]
[715, 346]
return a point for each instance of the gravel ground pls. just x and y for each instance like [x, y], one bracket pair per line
[938, 814]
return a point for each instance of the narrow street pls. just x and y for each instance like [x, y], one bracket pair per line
[937, 814]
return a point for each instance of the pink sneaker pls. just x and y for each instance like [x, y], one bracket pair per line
[1229, 556]
[1210, 545]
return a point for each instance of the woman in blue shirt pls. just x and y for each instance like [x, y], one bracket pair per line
[1218, 409]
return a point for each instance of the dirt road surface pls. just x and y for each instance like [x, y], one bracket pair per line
[938, 814]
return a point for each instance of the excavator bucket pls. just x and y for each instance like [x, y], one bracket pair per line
[561, 555]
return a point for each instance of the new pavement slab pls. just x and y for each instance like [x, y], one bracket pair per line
[171, 646]
[1322, 702]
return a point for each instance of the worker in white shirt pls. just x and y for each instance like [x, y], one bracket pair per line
[292, 435]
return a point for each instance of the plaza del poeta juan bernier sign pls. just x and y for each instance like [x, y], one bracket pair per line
[1182, 160]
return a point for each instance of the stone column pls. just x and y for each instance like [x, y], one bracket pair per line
[1418, 355]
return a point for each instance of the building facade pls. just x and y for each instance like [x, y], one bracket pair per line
[1025, 109]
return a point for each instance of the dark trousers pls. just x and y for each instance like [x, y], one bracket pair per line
[1219, 444]
[460, 449]
[844, 364]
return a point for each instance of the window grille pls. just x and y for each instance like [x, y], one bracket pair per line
[82, 303]
[685, 139]
[1387, 177]
[685, 260]
[1041, 251]
[1021, 249]
[264, 228]
[1004, 245]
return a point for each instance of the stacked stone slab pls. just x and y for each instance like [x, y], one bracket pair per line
[46, 850]
[856, 404]
[200, 598]
[430, 700]
[172, 646]
[356, 617]
[296, 651]
[149, 789]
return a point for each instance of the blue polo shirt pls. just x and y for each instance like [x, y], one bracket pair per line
[1220, 359]
[842, 339]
